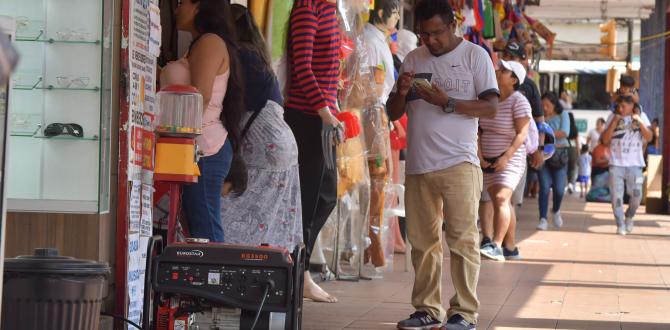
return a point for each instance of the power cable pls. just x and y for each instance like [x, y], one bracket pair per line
[120, 318]
[268, 286]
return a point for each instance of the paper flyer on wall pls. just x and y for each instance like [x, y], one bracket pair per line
[135, 207]
[154, 30]
[147, 207]
[135, 278]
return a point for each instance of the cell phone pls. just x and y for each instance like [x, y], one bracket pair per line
[422, 83]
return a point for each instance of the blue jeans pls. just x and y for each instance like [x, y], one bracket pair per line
[202, 201]
[554, 179]
[625, 179]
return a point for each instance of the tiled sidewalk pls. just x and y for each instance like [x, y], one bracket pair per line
[582, 276]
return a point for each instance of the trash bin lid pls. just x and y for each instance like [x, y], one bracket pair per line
[48, 261]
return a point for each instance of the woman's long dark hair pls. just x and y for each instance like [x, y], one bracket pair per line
[249, 36]
[214, 16]
[553, 98]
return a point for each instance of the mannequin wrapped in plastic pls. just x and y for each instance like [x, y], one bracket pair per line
[383, 17]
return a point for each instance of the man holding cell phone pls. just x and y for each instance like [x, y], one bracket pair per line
[444, 86]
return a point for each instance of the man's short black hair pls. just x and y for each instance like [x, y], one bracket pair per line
[427, 9]
[387, 7]
[627, 81]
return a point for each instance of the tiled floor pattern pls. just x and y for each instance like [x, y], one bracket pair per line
[579, 277]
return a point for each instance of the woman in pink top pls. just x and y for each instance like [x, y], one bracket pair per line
[212, 67]
[503, 160]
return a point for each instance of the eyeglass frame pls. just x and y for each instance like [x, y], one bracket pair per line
[427, 35]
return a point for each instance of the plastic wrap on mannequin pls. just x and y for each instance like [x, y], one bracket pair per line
[377, 141]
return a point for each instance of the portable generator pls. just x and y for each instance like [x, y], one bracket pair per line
[216, 286]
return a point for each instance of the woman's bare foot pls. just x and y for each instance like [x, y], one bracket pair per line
[400, 248]
[314, 292]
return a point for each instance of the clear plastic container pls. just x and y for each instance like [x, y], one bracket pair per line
[179, 111]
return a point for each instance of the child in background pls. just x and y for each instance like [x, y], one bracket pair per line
[584, 164]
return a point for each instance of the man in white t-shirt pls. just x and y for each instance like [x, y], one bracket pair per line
[626, 133]
[443, 178]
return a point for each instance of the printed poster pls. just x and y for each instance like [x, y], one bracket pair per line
[135, 207]
[144, 47]
[146, 221]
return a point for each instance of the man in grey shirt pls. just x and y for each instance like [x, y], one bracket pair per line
[444, 180]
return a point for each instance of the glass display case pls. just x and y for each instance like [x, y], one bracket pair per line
[60, 106]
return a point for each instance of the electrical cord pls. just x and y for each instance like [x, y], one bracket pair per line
[268, 285]
[116, 317]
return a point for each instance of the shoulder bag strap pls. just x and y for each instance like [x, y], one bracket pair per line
[567, 134]
[250, 121]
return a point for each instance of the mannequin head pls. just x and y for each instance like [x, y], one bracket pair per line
[436, 26]
[385, 14]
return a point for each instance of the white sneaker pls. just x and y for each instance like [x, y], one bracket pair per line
[621, 231]
[543, 224]
[629, 226]
[558, 221]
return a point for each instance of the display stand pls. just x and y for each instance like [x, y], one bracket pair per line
[64, 77]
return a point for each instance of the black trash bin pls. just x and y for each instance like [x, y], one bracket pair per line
[46, 291]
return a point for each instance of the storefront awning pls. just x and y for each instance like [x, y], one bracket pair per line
[573, 10]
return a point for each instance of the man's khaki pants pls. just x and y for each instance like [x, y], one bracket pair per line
[452, 193]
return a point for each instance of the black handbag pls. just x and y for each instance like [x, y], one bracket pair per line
[558, 159]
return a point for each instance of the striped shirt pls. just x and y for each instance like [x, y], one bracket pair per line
[499, 132]
[314, 42]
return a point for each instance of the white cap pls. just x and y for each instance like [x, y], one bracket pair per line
[516, 67]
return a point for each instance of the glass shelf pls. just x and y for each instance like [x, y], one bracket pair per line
[54, 41]
[22, 134]
[53, 88]
[40, 38]
[37, 86]
[59, 137]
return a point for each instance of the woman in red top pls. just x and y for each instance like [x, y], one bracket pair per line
[311, 105]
